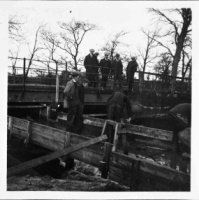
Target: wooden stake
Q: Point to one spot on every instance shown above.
(106, 159)
(26, 141)
(134, 184)
(10, 126)
(57, 88)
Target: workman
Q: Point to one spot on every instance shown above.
(180, 117)
(119, 110)
(91, 65)
(75, 112)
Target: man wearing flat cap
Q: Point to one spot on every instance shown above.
(130, 71)
(105, 67)
(91, 66)
(75, 112)
(117, 68)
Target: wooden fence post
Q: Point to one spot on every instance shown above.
(106, 159)
(66, 69)
(26, 141)
(10, 127)
(57, 89)
(24, 77)
(140, 81)
(135, 176)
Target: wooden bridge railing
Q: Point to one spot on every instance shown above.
(145, 80)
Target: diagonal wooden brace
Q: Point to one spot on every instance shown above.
(38, 161)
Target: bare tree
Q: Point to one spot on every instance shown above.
(49, 41)
(179, 30)
(15, 28)
(147, 54)
(113, 42)
(72, 37)
(34, 50)
(186, 65)
(14, 56)
(164, 66)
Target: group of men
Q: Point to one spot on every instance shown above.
(119, 106)
(108, 67)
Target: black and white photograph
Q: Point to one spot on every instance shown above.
(98, 99)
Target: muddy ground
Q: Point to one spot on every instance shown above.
(82, 178)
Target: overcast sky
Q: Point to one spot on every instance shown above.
(111, 17)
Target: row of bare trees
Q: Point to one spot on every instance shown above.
(171, 34)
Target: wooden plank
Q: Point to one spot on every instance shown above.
(134, 129)
(13, 162)
(23, 123)
(10, 127)
(47, 131)
(147, 132)
(121, 165)
(33, 163)
(54, 139)
(154, 143)
(18, 132)
(47, 143)
(91, 131)
(27, 140)
(93, 121)
(106, 159)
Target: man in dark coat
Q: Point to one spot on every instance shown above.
(119, 110)
(130, 71)
(91, 64)
(180, 117)
(105, 64)
(75, 111)
(119, 107)
(117, 69)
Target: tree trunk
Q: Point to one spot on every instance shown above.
(75, 67)
(179, 47)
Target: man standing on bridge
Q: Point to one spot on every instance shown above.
(130, 71)
(105, 64)
(117, 68)
(91, 65)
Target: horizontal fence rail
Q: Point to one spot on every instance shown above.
(47, 76)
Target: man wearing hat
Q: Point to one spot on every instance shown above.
(91, 66)
(105, 67)
(130, 71)
(75, 112)
(117, 68)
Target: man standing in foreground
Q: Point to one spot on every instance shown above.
(130, 71)
(91, 65)
(75, 112)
